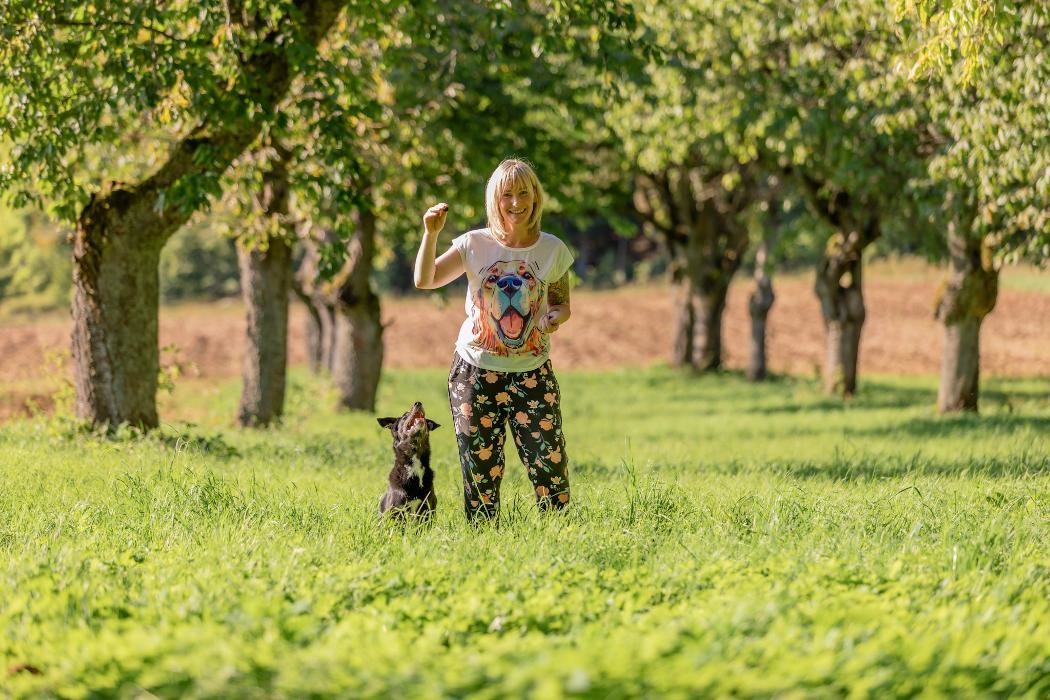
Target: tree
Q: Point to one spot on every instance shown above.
(690, 189)
(700, 221)
(759, 302)
(456, 88)
(774, 225)
(34, 267)
(813, 96)
(967, 296)
(804, 92)
(78, 78)
(992, 157)
(963, 34)
(265, 262)
(314, 174)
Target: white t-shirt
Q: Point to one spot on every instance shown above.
(506, 297)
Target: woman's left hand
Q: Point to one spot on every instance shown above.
(551, 321)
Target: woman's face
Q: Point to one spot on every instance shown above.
(515, 206)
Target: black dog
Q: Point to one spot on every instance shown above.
(411, 489)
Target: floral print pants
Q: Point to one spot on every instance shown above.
(483, 402)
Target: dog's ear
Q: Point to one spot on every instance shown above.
(431, 425)
(387, 422)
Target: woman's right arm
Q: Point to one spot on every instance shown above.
(430, 273)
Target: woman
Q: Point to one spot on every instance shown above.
(517, 295)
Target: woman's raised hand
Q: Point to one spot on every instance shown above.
(434, 218)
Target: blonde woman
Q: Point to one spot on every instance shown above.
(517, 296)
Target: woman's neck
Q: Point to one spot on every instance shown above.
(517, 238)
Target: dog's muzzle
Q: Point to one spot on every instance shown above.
(513, 313)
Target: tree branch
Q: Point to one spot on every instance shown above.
(62, 22)
(210, 148)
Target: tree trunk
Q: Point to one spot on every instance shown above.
(697, 218)
(327, 314)
(307, 286)
(838, 279)
(960, 367)
(115, 307)
(357, 350)
(356, 331)
(698, 338)
(121, 231)
(966, 298)
(265, 284)
(312, 327)
(839, 288)
(759, 304)
(683, 333)
(708, 259)
(266, 280)
(842, 305)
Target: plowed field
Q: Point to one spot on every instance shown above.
(609, 329)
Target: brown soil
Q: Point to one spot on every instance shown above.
(608, 329)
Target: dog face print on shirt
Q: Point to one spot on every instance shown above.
(508, 302)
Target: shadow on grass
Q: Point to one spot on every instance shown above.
(870, 396)
(871, 468)
(818, 406)
(951, 426)
(327, 449)
(1009, 395)
(846, 469)
(185, 437)
(880, 395)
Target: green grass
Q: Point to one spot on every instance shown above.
(1026, 278)
(723, 539)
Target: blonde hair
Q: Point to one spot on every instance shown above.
(515, 173)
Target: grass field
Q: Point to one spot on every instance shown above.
(724, 539)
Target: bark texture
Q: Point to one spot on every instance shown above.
(698, 219)
(115, 343)
(759, 303)
(266, 278)
(967, 297)
(316, 294)
(265, 284)
(347, 322)
(838, 286)
(838, 283)
(312, 323)
(357, 331)
(122, 229)
(698, 335)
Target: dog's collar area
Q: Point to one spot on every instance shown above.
(412, 440)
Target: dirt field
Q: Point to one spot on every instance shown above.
(608, 329)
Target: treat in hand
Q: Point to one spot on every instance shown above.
(434, 218)
(549, 321)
